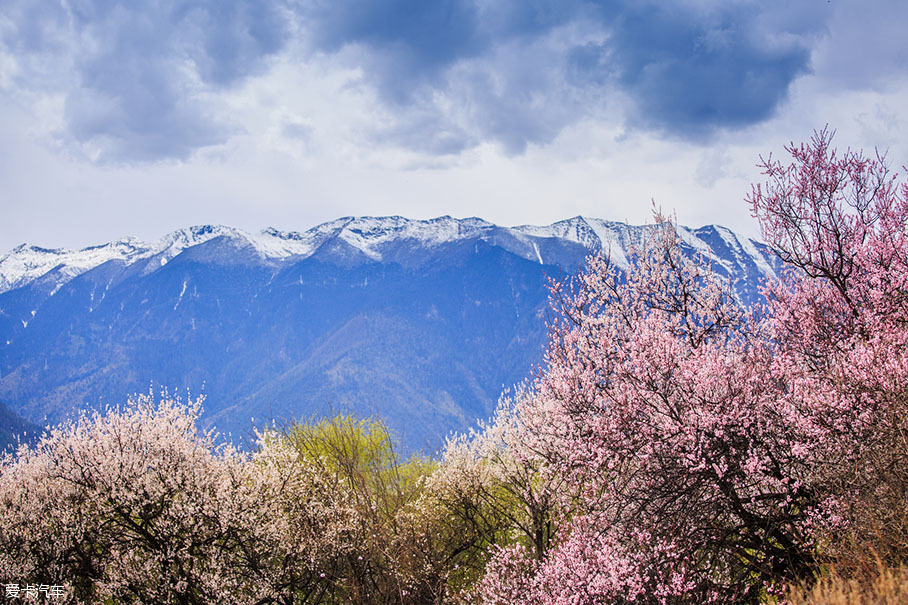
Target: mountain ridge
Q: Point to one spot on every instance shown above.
(28, 262)
(421, 322)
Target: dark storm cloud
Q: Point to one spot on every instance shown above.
(456, 72)
(688, 69)
(135, 73)
(417, 39)
(139, 77)
(692, 71)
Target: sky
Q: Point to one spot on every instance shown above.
(138, 118)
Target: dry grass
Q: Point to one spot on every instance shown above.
(885, 586)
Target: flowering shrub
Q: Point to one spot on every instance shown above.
(654, 403)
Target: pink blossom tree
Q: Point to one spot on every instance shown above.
(717, 450)
(653, 401)
(840, 325)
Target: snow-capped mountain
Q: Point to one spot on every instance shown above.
(27, 263)
(379, 240)
(420, 321)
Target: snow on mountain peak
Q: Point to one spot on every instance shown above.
(372, 236)
(28, 262)
(369, 233)
(275, 244)
(175, 242)
(609, 237)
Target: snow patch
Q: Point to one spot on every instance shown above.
(615, 239)
(538, 255)
(369, 234)
(728, 237)
(26, 263)
(180, 297)
(689, 237)
(749, 247)
(575, 230)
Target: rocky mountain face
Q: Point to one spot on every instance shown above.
(420, 322)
